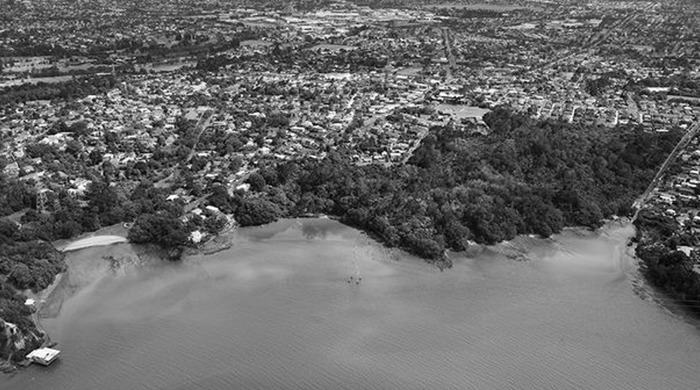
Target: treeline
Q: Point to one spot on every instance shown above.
(324, 61)
(72, 89)
(465, 13)
(215, 62)
(663, 264)
(679, 84)
(524, 177)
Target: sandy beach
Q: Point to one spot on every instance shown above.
(93, 241)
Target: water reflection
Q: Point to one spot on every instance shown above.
(312, 231)
(266, 232)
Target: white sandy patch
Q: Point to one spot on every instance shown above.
(93, 241)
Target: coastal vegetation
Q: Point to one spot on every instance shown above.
(458, 187)
(26, 261)
(524, 177)
(18, 334)
(24, 264)
(663, 263)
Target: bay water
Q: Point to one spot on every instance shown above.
(279, 311)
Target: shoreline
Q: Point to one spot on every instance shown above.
(152, 311)
(224, 240)
(47, 298)
(41, 298)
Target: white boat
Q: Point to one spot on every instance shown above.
(43, 356)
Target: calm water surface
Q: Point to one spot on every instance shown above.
(276, 311)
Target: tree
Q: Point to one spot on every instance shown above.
(8, 231)
(21, 276)
(79, 128)
(278, 120)
(58, 127)
(235, 164)
(255, 212)
(68, 229)
(220, 199)
(215, 223)
(95, 157)
(456, 234)
(256, 181)
(74, 147)
(166, 231)
(101, 197)
(35, 150)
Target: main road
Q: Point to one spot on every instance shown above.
(692, 132)
(202, 124)
(449, 54)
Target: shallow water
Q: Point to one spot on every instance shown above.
(276, 311)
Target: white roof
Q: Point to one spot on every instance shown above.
(43, 353)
